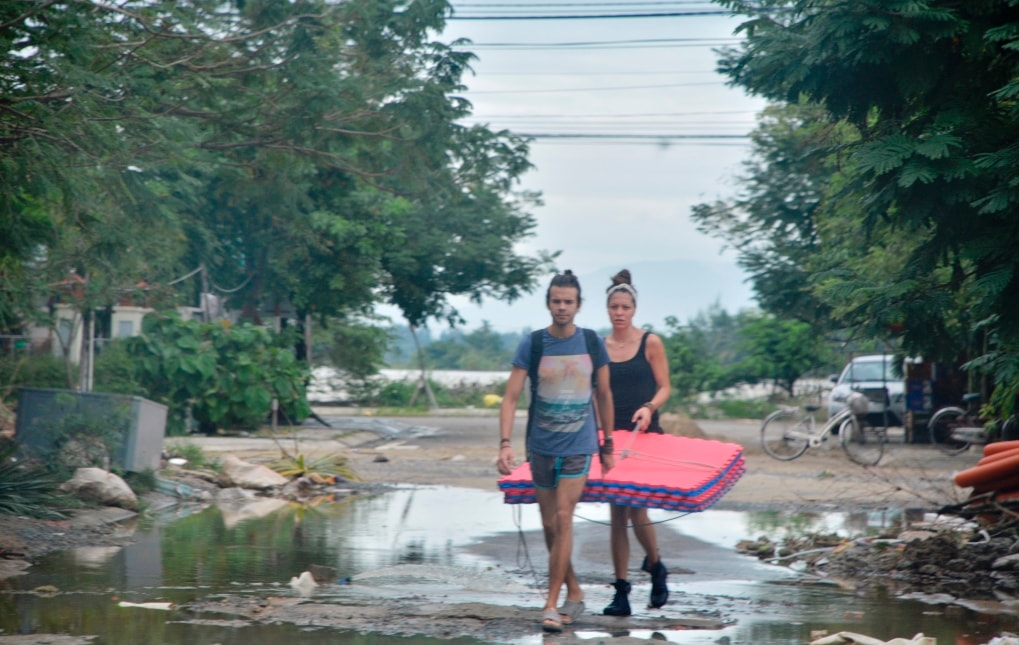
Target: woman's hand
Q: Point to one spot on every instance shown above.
(641, 419)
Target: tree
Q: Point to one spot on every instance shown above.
(773, 224)
(307, 155)
(702, 352)
(778, 350)
(354, 347)
(479, 349)
(930, 88)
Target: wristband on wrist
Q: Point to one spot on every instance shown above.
(649, 405)
(504, 442)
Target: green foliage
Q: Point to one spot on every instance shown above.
(731, 408)
(400, 394)
(916, 212)
(141, 482)
(306, 155)
(354, 348)
(702, 353)
(19, 370)
(395, 394)
(226, 374)
(778, 350)
(189, 451)
(480, 349)
(116, 370)
(318, 469)
(28, 490)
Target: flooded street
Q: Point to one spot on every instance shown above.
(436, 560)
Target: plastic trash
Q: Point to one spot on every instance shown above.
(304, 583)
(164, 606)
(843, 638)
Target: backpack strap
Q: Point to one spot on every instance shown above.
(592, 349)
(537, 349)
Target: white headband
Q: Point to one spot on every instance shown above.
(622, 286)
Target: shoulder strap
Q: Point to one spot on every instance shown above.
(537, 349)
(592, 348)
(643, 343)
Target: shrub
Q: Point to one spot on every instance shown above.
(27, 490)
(40, 370)
(228, 375)
(116, 371)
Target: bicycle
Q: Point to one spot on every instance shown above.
(953, 429)
(787, 433)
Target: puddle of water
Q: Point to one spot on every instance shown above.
(457, 545)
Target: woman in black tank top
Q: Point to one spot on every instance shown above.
(639, 377)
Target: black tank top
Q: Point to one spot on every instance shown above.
(633, 384)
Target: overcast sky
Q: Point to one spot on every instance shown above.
(609, 201)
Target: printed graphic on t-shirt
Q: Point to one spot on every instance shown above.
(564, 392)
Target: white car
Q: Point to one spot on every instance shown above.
(873, 375)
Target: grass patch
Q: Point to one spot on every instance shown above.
(27, 490)
(190, 452)
(731, 409)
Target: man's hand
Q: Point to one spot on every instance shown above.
(505, 461)
(608, 461)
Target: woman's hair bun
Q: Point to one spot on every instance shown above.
(623, 277)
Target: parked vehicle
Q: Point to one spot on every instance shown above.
(874, 376)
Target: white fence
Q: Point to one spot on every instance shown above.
(327, 386)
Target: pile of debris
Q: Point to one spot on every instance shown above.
(972, 553)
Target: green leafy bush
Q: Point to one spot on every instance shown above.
(116, 370)
(228, 375)
(41, 370)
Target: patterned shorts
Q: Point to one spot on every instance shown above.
(546, 471)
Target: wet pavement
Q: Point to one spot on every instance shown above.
(420, 563)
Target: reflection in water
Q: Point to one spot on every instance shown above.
(420, 541)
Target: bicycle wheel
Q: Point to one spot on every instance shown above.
(941, 426)
(863, 443)
(784, 434)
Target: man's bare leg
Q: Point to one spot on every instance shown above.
(557, 506)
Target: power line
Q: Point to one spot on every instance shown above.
(635, 43)
(597, 89)
(628, 115)
(530, 5)
(651, 142)
(603, 16)
(607, 73)
(653, 137)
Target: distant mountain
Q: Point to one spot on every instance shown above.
(680, 288)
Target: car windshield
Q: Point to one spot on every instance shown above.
(861, 371)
